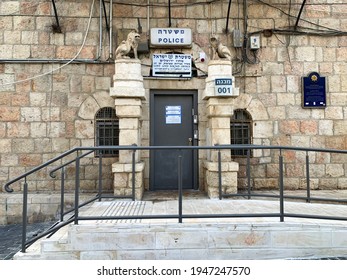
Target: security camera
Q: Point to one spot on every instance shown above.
(202, 56)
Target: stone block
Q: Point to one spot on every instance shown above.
(98, 255)
(9, 114)
(238, 239)
(301, 239)
(181, 239)
(128, 111)
(17, 130)
(228, 180)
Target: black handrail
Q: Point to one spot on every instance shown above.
(51, 173)
(180, 215)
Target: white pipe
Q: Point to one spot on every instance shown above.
(111, 30)
(148, 19)
(100, 32)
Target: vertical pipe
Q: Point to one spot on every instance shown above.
(77, 188)
(111, 30)
(220, 175)
(100, 176)
(148, 28)
(169, 13)
(58, 28)
(228, 14)
(180, 192)
(308, 199)
(100, 31)
(25, 213)
(281, 187)
(299, 15)
(62, 191)
(249, 173)
(133, 175)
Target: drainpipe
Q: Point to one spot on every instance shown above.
(227, 23)
(148, 29)
(111, 30)
(56, 27)
(100, 32)
(299, 15)
(169, 13)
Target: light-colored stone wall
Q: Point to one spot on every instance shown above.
(54, 111)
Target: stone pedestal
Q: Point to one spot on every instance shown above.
(128, 91)
(219, 111)
(123, 179)
(229, 178)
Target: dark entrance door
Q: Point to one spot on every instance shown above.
(172, 124)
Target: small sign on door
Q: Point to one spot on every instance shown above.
(173, 114)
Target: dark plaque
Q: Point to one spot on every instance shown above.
(314, 89)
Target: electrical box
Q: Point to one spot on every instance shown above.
(254, 42)
(237, 38)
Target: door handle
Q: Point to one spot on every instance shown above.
(190, 141)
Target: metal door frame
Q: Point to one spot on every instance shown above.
(169, 92)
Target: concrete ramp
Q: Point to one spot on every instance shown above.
(227, 238)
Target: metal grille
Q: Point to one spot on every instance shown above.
(240, 131)
(106, 131)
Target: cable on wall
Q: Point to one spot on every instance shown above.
(60, 67)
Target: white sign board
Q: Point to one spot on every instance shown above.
(172, 65)
(173, 114)
(223, 87)
(168, 37)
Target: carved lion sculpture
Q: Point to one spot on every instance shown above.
(131, 43)
(219, 50)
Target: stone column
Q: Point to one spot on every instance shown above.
(219, 111)
(128, 92)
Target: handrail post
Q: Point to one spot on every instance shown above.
(25, 213)
(77, 188)
(62, 192)
(220, 175)
(308, 199)
(180, 192)
(248, 170)
(100, 176)
(133, 173)
(281, 187)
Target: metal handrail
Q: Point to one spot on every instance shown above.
(180, 215)
(51, 173)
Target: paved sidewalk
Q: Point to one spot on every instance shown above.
(11, 237)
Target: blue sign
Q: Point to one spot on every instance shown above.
(314, 91)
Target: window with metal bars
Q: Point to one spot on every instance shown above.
(106, 131)
(240, 131)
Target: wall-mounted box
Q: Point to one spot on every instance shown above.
(254, 42)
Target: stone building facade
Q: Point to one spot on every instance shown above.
(57, 73)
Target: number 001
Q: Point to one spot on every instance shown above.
(224, 90)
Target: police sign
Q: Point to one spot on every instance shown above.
(223, 87)
(168, 37)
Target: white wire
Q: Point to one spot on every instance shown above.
(67, 63)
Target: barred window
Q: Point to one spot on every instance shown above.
(240, 131)
(106, 131)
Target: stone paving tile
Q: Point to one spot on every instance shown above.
(11, 237)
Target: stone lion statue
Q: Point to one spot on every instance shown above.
(219, 50)
(131, 43)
